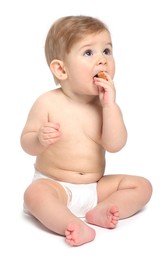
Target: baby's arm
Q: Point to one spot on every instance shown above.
(38, 132)
(114, 134)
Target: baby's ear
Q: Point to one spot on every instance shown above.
(58, 69)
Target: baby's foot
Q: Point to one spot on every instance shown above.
(78, 234)
(106, 217)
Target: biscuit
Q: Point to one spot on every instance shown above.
(102, 75)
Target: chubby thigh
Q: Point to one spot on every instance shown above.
(109, 184)
(43, 192)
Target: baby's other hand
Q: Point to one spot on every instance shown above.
(106, 90)
(49, 134)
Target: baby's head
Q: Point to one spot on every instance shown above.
(67, 31)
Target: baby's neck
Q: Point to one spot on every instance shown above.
(82, 99)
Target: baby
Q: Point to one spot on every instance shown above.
(70, 128)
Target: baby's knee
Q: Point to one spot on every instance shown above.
(32, 195)
(146, 188)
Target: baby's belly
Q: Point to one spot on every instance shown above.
(72, 166)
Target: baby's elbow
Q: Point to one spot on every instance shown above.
(114, 147)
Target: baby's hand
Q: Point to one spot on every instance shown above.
(106, 90)
(49, 134)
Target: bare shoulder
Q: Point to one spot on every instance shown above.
(42, 106)
(49, 95)
(47, 99)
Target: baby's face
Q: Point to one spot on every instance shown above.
(87, 57)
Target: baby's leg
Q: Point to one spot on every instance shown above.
(46, 200)
(127, 193)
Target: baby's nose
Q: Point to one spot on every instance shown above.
(101, 60)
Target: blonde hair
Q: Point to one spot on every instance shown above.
(68, 30)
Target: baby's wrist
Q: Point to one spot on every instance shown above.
(109, 105)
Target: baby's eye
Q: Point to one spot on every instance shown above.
(88, 53)
(107, 51)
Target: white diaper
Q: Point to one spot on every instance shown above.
(81, 197)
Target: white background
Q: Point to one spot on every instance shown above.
(139, 33)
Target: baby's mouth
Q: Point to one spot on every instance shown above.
(101, 75)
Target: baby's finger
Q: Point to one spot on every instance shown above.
(57, 126)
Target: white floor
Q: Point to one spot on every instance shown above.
(138, 29)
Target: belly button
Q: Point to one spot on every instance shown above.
(81, 173)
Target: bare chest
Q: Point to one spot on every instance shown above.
(78, 122)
